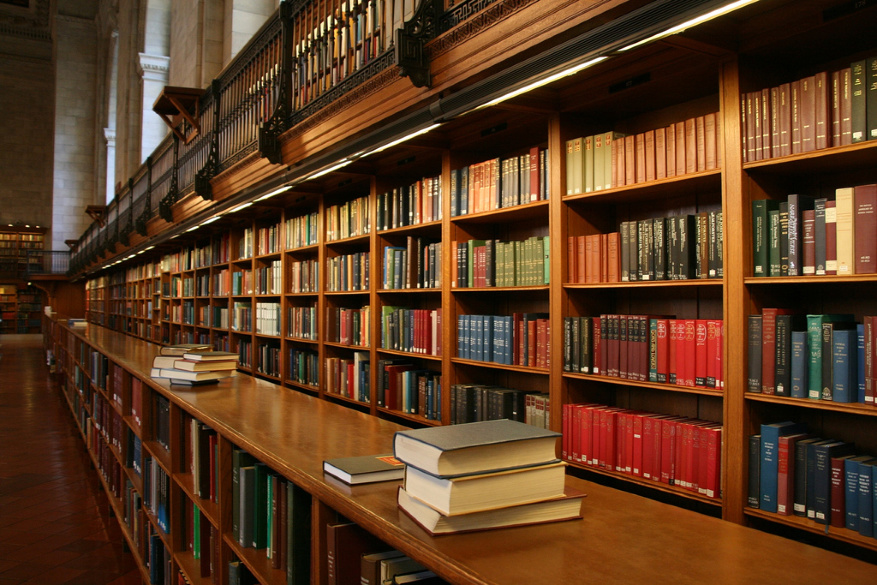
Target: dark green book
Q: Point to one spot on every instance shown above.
(260, 505)
(365, 468)
(858, 101)
(761, 235)
(239, 459)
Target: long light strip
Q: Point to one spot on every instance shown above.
(690, 23)
(545, 81)
(401, 140)
(273, 193)
(340, 164)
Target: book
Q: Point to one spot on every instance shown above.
(208, 366)
(210, 356)
(176, 374)
(846, 231)
(474, 447)
(865, 232)
(477, 492)
(346, 543)
(754, 354)
(183, 348)
(370, 566)
(761, 209)
(567, 507)
(365, 469)
(770, 434)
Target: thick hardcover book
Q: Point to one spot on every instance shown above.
(783, 238)
(822, 477)
(851, 490)
(795, 96)
(831, 237)
(837, 492)
(370, 566)
(808, 113)
(829, 370)
(846, 230)
(786, 472)
(797, 204)
(866, 497)
(814, 350)
(770, 434)
(553, 510)
(845, 365)
(365, 469)
(799, 506)
(822, 105)
(785, 323)
(754, 354)
(768, 350)
(799, 365)
(808, 243)
(476, 447)
(784, 119)
(858, 101)
(754, 491)
(345, 545)
(478, 492)
(819, 235)
(761, 235)
(865, 229)
(835, 92)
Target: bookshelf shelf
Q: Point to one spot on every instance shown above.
(652, 385)
(496, 366)
(691, 282)
(516, 213)
(502, 289)
(812, 280)
(842, 534)
(650, 484)
(833, 159)
(704, 181)
(857, 409)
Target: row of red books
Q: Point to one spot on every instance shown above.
(674, 450)
(646, 348)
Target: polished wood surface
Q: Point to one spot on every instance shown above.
(622, 538)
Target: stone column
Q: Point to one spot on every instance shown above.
(153, 70)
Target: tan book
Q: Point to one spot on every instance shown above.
(670, 162)
(593, 163)
(629, 160)
(846, 231)
(651, 173)
(640, 150)
(700, 140)
(680, 148)
(690, 146)
(710, 144)
(661, 153)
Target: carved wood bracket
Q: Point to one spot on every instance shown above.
(411, 40)
(178, 104)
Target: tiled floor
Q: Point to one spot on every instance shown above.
(55, 527)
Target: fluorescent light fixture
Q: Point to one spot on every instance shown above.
(148, 249)
(211, 220)
(401, 140)
(544, 81)
(690, 23)
(273, 193)
(193, 228)
(340, 164)
(239, 207)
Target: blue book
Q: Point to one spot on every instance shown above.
(799, 364)
(860, 362)
(462, 342)
(770, 434)
(487, 341)
(822, 477)
(851, 490)
(845, 371)
(810, 476)
(754, 495)
(866, 497)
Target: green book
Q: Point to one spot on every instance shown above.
(761, 235)
(239, 459)
(814, 347)
(773, 253)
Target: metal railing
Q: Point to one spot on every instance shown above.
(46, 262)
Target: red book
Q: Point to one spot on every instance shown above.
(637, 421)
(668, 449)
(541, 343)
(609, 441)
(786, 472)
(686, 359)
(617, 162)
(822, 110)
(590, 436)
(837, 492)
(672, 346)
(701, 334)
(648, 445)
(597, 346)
(765, 123)
(535, 184)
(768, 348)
(613, 257)
(754, 120)
(571, 259)
(720, 354)
(581, 255)
(531, 343)
(713, 327)
(713, 461)
(865, 204)
(808, 248)
(774, 122)
(663, 350)
(710, 145)
(604, 258)
(566, 431)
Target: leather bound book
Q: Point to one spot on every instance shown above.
(846, 129)
(691, 146)
(795, 93)
(784, 119)
(660, 153)
(834, 108)
(822, 117)
(650, 151)
(700, 141)
(774, 122)
(680, 148)
(710, 145)
(865, 245)
(858, 102)
(630, 169)
(765, 124)
(640, 150)
(871, 98)
(807, 114)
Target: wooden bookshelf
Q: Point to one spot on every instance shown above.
(701, 73)
(103, 375)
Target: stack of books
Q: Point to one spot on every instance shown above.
(482, 475)
(193, 366)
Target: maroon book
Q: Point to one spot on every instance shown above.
(765, 124)
(808, 249)
(795, 95)
(670, 138)
(834, 114)
(663, 350)
(640, 153)
(774, 122)
(650, 147)
(768, 348)
(865, 201)
(630, 160)
(837, 492)
(672, 347)
(821, 109)
(687, 364)
(755, 126)
(784, 119)
(345, 545)
(786, 472)
(710, 145)
(661, 153)
(846, 123)
(807, 114)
